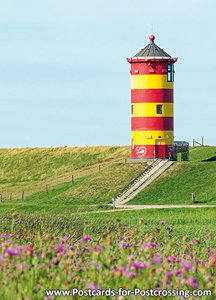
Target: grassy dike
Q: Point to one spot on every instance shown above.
(99, 174)
(176, 185)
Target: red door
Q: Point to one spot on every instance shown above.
(159, 149)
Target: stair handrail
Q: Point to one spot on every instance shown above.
(147, 179)
(130, 184)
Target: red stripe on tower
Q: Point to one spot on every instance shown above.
(151, 151)
(151, 123)
(152, 95)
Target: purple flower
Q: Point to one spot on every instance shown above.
(124, 244)
(60, 247)
(127, 238)
(157, 258)
(86, 238)
(64, 240)
(93, 286)
(148, 246)
(11, 252)
(169, 274)
(192, 282)
(199, 261)
(179, 272)
(186, 265)
(139, 265)
(21, 248)
(207, 236)
(128, 273)
(162, 222)
(98, 249)
(98, 266)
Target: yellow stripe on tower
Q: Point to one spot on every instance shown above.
(150, 82)
(150, 110)
(149, 137)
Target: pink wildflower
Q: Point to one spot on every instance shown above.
(93, 286)
(11, 252)
(86, 238)
(193, 282)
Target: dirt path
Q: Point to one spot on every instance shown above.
(120, 208)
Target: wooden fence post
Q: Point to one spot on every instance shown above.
(0, 197)
(47, 188)
(193, 197)
(72, 179)
(99, 168)
(22, 195)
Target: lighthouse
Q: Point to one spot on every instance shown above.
(152, 82)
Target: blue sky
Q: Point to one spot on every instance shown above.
(64, 78)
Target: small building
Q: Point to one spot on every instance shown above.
(181, 147)
(152, 80)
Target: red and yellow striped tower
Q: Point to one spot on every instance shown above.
(152, 76)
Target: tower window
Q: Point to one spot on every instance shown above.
(132, 109)
(170, 73)
(132, 144)
(159, 109)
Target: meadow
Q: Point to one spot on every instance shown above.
(63, 238)
(153, 249)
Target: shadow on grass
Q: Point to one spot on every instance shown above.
(213, 158)
(204, 201)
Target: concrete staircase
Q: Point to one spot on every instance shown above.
(155, 170)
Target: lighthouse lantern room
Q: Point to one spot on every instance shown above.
(152, 77)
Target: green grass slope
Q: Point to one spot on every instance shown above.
(176, 185)
(99, 174)
(30, 169)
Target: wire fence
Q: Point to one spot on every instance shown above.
(25, 190)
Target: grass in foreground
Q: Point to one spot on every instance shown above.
(161, 249)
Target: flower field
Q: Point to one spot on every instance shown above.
(31, 264)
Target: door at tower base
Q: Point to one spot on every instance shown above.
(152, 151)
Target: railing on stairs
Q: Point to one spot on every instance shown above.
(148, 179)
(134, 181)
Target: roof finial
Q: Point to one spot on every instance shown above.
(152, 38)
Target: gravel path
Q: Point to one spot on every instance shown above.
(136, 207)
